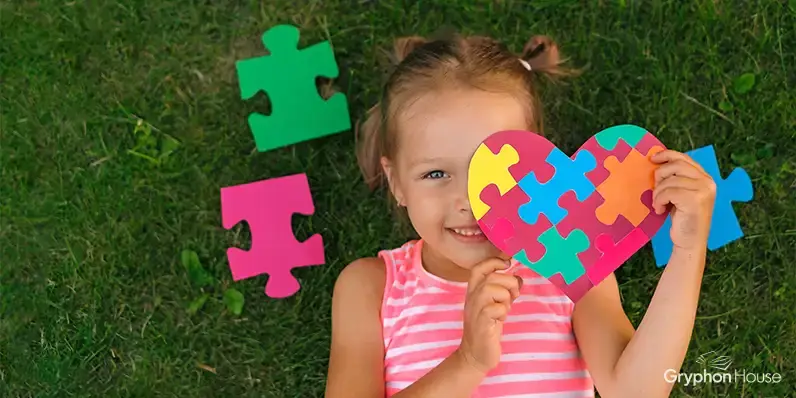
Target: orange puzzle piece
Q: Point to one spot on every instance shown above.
(623, 188)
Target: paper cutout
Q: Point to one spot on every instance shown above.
(724, 225)
(560, 196)
(288, 76)
(268, 207)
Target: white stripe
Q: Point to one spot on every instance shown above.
(538, 356)
(398, 301)
(398, 384)
(415, 366)
(536, 336)
(538, 317)
(404, 286)
(534, 377)
(568, 394)
(421, 309)
(420, 347)
(535, 281)
(429, 326)
(529, 298)
(457, 325)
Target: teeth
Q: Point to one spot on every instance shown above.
(468, 232)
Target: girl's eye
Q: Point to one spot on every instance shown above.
(435, 174)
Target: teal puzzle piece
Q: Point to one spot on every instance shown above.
(561, 255)
(288, 76)
(628, 133)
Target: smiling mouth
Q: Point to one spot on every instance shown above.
(471, 231)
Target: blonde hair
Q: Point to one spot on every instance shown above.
(421, 65)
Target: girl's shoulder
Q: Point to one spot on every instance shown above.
(367, 275)
(372, 275)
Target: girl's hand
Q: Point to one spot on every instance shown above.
(685, 184)
(489, 298)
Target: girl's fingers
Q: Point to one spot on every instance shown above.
(508, 282)
(493, 293)
(678, 167)
(484, 269)
(676, 182)
(669, 195)
(669, 155)
(496, 311)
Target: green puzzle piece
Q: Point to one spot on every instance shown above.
(608, 138)
(287, 75)
(561, 255)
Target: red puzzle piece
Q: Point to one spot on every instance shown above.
(527, 147)
(581, 215)
(576, 290)
(524, 235)
(648, 142)
(614, 255)
(652, 224)
(268, 207)
(600, 173)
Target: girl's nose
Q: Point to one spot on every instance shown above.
(463, 203)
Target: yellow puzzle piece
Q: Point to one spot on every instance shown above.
(488, 168)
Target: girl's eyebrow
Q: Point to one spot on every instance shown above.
(424, 160)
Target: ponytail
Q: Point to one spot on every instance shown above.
(370, 145)
(543, 56)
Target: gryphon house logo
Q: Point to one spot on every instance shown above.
(715, 361)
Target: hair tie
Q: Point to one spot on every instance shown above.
(526, 64)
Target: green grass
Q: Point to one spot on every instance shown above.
(93, 294)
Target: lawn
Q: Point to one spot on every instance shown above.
(95, 299)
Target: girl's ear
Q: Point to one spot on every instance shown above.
(389, 172)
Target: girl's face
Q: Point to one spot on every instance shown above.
(437, 136)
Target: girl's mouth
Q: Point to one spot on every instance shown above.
(468, 234)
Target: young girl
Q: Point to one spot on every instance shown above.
(448, 315)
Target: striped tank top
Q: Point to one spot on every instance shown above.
(422, 314)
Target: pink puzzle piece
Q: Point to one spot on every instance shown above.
(614, 255)
(268, 207)
(527, 147)
(499, 231)
(523, 235)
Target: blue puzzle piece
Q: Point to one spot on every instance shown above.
(569, 175)
(724, 226)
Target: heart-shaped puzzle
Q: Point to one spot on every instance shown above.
(573, 220)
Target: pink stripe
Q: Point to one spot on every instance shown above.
(408, 353)
(536, 387)
(423, 298)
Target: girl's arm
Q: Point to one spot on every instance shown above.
(628, 363)
(356, 358)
